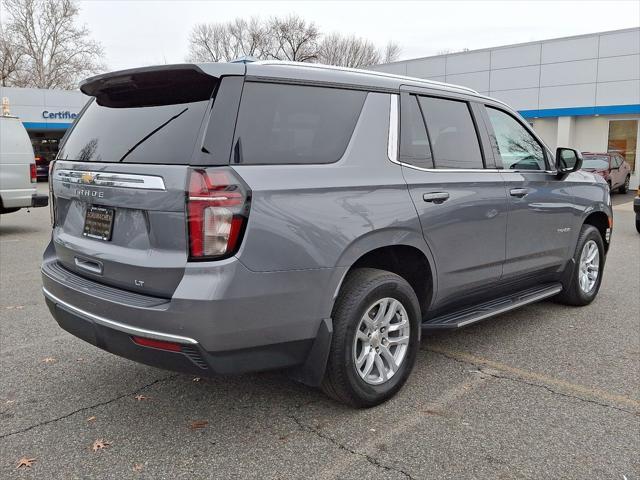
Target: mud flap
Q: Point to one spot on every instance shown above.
(311, 372)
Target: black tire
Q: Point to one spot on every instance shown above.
(624, 188)
(572, 294)
(362, 288)
(638, 224)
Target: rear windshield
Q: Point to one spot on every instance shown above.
(295, 124)
(595, 161)
(149, 117)
(105, 134)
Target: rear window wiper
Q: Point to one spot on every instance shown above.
(152, 132)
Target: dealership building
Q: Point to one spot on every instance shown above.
(581, 92)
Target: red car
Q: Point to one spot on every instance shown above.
(612, 166)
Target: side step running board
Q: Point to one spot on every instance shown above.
(494, 307)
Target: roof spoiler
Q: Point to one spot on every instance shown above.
(158, 85)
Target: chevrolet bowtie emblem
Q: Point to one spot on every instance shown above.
(88, 177)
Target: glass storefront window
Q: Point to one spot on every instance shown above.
(623, 138)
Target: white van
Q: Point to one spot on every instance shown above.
(17, 168)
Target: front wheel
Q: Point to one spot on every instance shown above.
(584, 280)
(376, 335)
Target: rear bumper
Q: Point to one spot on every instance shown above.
(117, 338)
(260, 321)
(39, 200)
(18, 198)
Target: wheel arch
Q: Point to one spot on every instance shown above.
(600, 220)
(404, 259)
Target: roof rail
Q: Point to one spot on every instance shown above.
(365, 72)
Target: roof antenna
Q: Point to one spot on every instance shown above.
(244, 59)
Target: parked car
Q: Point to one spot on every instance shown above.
(17, 168)
(226, 218)
(611, 166)
(636, 208)
(42, 167)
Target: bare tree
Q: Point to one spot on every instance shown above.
(354, 52)
(207, 43)
(290, 38)
(12, 58)
(221, 42)
(56, 51)
(391, 52)
(347, 51)
(294, 39)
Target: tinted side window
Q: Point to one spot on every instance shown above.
(294, 124)
(414, 142)
(518, 149)
(452, 133)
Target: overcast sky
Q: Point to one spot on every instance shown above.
(144, 32)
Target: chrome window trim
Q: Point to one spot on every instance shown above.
(393, 145)
(108, 179)
(120, 326)
(392, 142)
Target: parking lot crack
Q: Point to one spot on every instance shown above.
(90, 407)
(372, 460)
(492, 369)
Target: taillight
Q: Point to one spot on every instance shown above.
(32, 172)
(217, 211)
(52, 208)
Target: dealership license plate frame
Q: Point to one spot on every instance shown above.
(98, 222)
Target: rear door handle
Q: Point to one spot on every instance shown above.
(518, 192)
(435, 197)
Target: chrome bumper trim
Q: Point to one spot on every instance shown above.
(120, 326)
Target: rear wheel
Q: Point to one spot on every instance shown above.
(586, 276)
(624, 188)
(638, 224)
(376, 333)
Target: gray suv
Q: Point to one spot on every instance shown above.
(227, 218)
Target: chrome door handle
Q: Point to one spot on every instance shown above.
(435, 197)
(518, 192)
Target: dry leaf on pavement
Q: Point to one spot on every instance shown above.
(25, 462)
(196, 424)
(141, 397)
(48, 360)
(196, 379)
(91, 418)
(137, 467)
(99, 444)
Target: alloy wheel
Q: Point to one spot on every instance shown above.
(589, 266)
(381, 341)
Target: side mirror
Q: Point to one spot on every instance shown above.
(567, 160)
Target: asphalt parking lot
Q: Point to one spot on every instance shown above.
(547, 391)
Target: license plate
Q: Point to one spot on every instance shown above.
(98, 223)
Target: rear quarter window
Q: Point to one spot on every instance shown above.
(294, 124)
